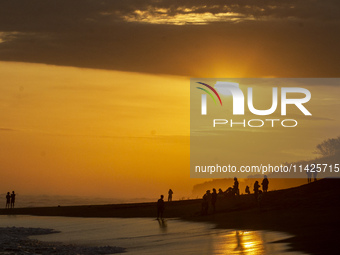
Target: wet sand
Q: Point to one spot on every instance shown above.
(15, 241)
(309, 212)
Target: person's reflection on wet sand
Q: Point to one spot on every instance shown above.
(163, 225)
(239, 246)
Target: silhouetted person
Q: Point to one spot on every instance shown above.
(170, 192)
(265, 183)
(205, 203)
(259, 198)
(247, 190)
(256, 189)
(209, 196)
(8, 200)
(315, 173)
(220, 191)
(160, 207)
(236, 189)
(229, 191)
(213, 200)
(12, 199)
(309, 174)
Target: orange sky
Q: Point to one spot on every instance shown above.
(94, 97)
(68, 130)
(90, 132)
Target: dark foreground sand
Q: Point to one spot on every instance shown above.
(15, 241)
(310, 212)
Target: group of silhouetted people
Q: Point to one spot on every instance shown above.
(311, 171)
(161, 204)
(257, 187)
(10, 200)
(231, 191)
(211, 198)
(235, 191)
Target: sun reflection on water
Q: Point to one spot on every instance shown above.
(241, 242)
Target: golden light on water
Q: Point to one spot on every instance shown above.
(252, 242)
(242, 242)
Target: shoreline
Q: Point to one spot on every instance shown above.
(309, 212)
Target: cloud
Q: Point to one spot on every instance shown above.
(191, 38)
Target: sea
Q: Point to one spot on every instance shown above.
(150, 236)
(55, 200)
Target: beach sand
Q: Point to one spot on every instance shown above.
(15, 241)
(309, 212)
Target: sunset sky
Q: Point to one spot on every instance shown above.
(95, 97)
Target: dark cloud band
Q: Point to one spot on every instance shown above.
(193, 38)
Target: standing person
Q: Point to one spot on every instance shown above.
(160, 207)
(209, 196)
(309, 173)
(247, 190)
(315, 173)
(205, 203)
(265, 183)
(170, 192)
(259, 199)
(256, 189)
(12, 199)
(213, 199)
(8, 200)
(236, 189)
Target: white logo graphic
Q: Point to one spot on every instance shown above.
(232, 89)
